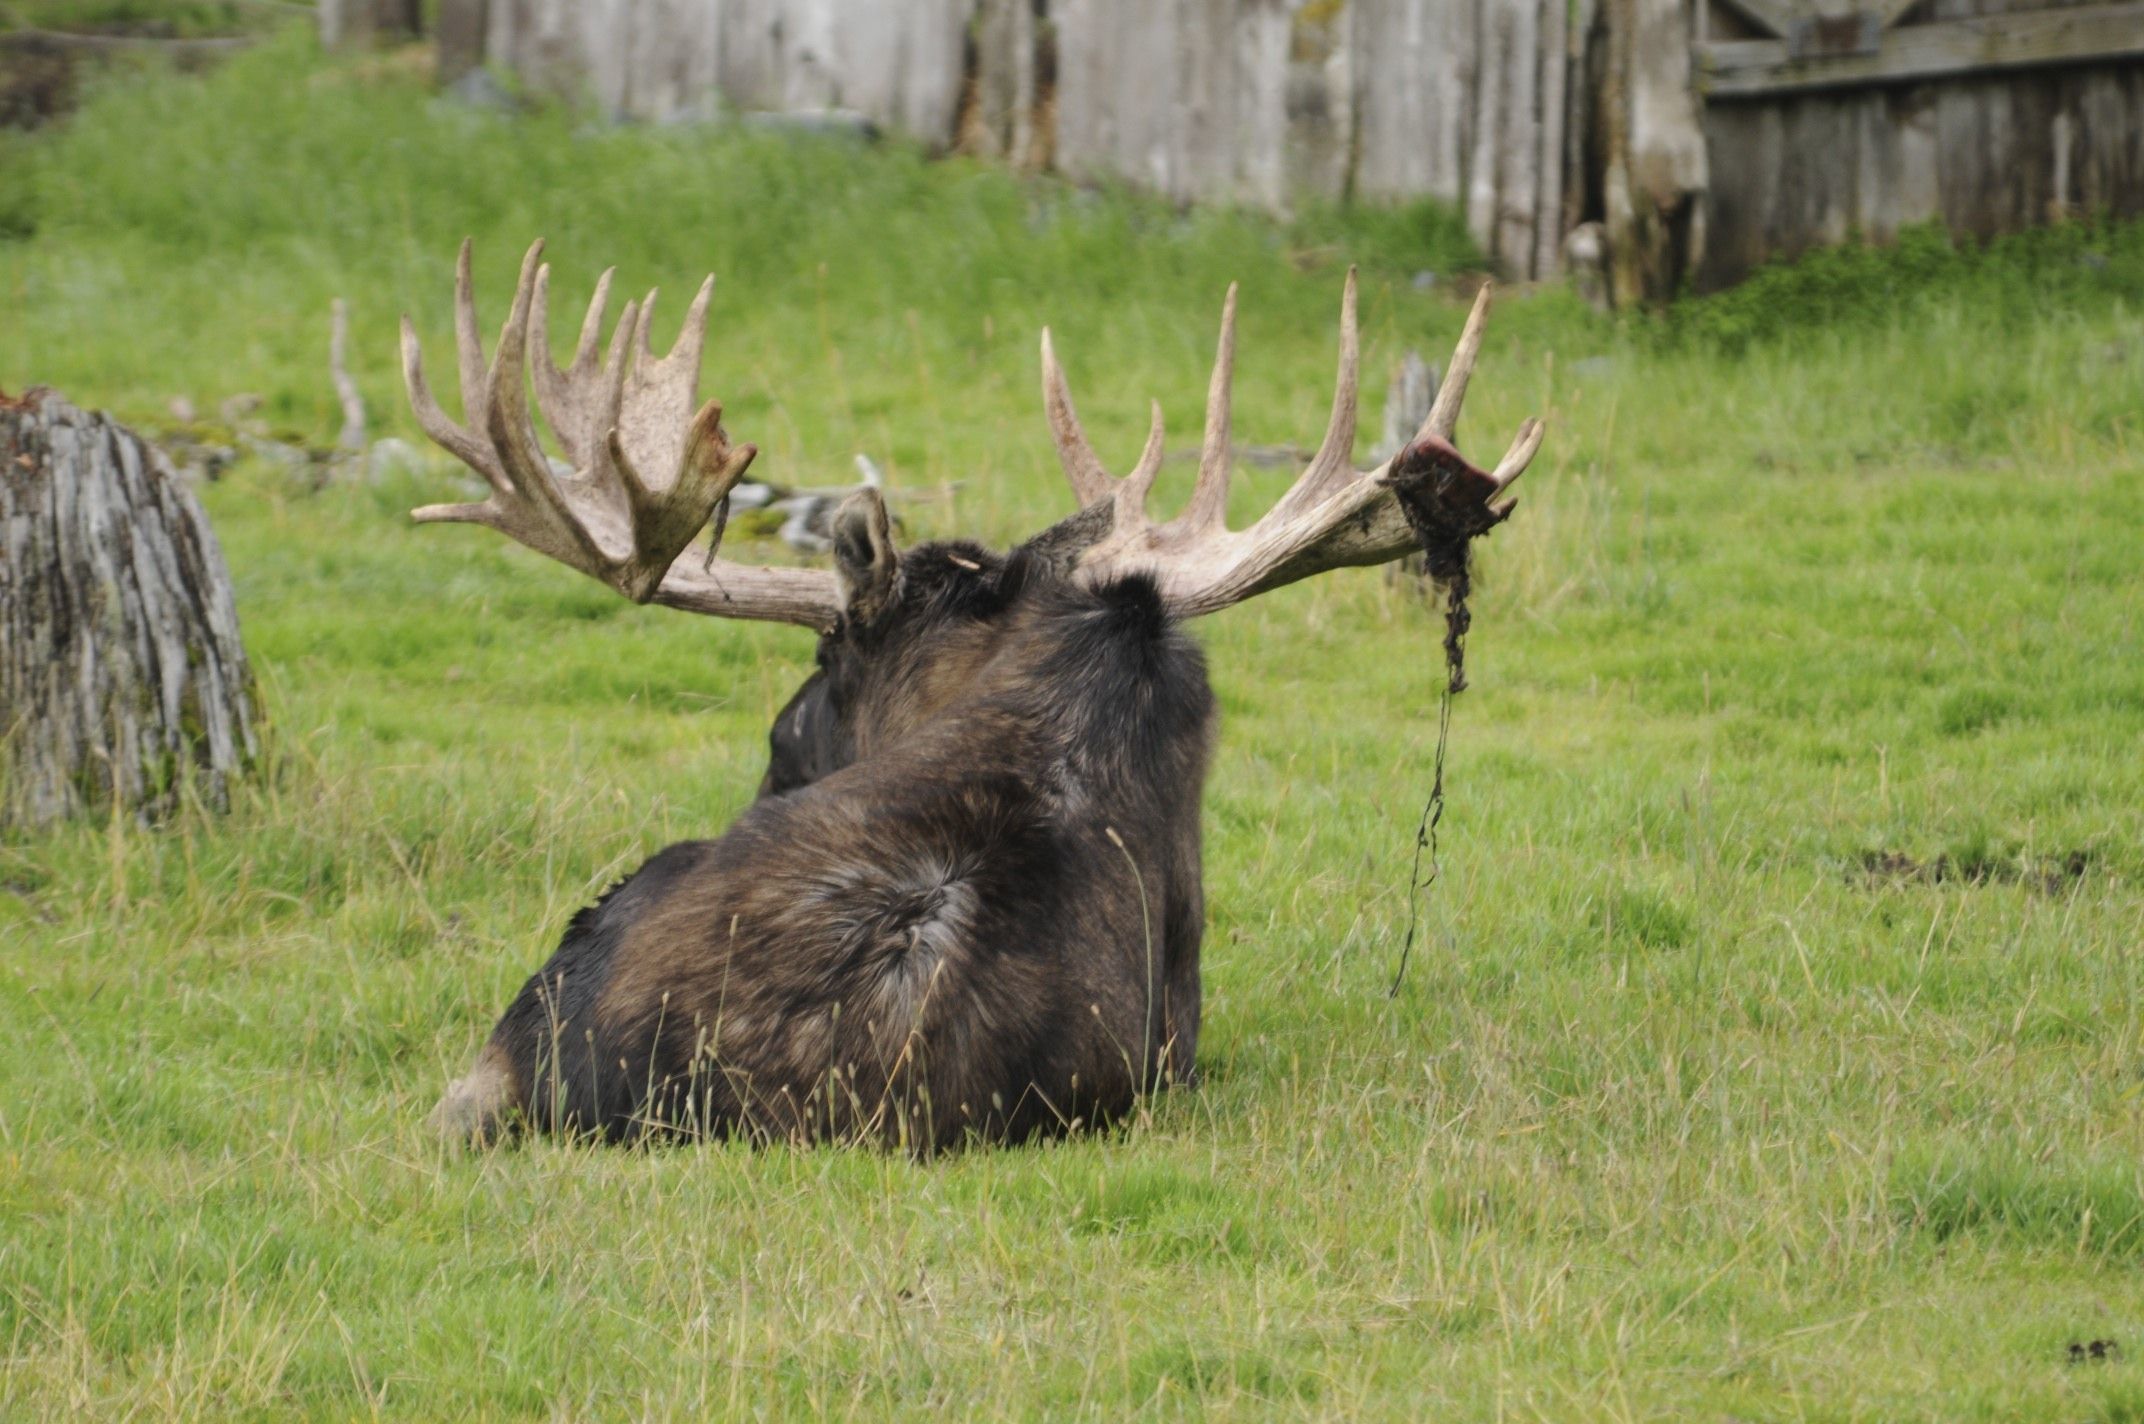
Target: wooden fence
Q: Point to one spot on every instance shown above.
(1991, 115)
(1700, 135)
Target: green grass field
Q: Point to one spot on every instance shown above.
(1774, 1052)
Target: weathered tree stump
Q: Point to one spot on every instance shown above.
(121, 671)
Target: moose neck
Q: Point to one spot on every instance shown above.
(1097, 691)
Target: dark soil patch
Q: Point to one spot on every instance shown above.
(2094, 1351)
(2048, 875)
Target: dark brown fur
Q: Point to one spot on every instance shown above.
(966, 904)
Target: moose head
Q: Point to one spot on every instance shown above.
(967, 903)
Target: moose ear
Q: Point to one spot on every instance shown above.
(864, 556)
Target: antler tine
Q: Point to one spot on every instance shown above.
(647, 328)
(1336, 451)
(1131, 497)
(1334, 463)
(617, 364)
(1209, 497)
(1084, 471)
(505, 388)
(513, 432)
(692, 336)
(469, 343)
(540, 320)
(559, 394)
(438, 425)
(592, 323)
(1443, 420)
(1521, 454)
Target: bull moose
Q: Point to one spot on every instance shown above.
(966, 904)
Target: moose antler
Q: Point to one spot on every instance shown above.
(1332, 517)
(648, 474)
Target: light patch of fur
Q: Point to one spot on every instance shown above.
(475, 1108)
(947, 929)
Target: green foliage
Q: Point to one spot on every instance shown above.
(171, 18)
(2012, 279)
(1644, 919)
(1707, 1095)
(2093, 1207)
(18, 203)
(1404, 239)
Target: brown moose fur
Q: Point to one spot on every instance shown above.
(967, 904)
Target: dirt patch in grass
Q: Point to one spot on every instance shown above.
(2048, 875)
(2096, 1351)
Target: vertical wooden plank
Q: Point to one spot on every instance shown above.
(1374, 40)
(1259, 103)
(1144, 98)
(2062, 162)
(1198, 134)
(1117, 76)
(1518, 152)
(1915, 193)
(1079, 42)
(1027, 87)
(668, 74)
(1866, 116)
(1452, 31)
(1582, 100)
(1548, 155)
(1319, 102)
(1657, 173)
(900, 65)
(461, 38)
(1488, 108)
(1003, 79)
(1412, 65)
(2108, 169)
(604, 43)
(1834, 221)
(1958, 161)
(807, 75)
(498, 30)
(2033, 119)
(749, 57)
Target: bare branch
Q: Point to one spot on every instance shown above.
(352, 438)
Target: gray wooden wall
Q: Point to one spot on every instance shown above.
(1697, 132)
(1986, 153)
(900, 63)
(1263, 102)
